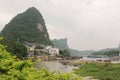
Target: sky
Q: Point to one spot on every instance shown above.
(88, 24)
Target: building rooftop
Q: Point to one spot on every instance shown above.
(97, 56)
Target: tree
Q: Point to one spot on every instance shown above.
(39, 47)
(12, 68)
(65, 53)
(20, 50)
(15, 48)
(108, 53)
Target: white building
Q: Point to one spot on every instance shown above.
(46, 49)
(53, 51)
(30, 47)
(97, 58)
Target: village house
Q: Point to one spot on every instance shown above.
(30, 47)
(47, 53)
(96, 58)
(40, 52)
(32, 50)
(52, 50)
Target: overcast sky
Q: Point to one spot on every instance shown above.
(88, 24)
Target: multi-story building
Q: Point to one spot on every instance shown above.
(53, 51)
(31, 47)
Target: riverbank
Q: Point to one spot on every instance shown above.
(100, 71)
(55, 66)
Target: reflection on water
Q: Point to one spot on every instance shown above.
(55, 66)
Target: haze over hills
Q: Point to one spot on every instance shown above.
(62, 44)
(110, 49)
(28, 26)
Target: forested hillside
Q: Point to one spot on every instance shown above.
(28, 26)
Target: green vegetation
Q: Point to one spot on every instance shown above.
(65, 53)
(20, 50)
(39, 47)
(61, 43)
(15, 48)
(108, 53)
(11, 68)
(24, 27)
(100, 71)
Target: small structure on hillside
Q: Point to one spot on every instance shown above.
(96, 58)
(30, 47)
(53, 51)
(39, 49)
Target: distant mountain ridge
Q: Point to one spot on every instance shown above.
(109, 49)
(28, 26)
(62, 44)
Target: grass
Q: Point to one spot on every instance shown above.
(100, 71)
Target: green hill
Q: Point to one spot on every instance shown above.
(60, 43)
(28, 26)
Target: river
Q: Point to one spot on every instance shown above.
(55, 66)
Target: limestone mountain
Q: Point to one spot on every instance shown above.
(62, 44)
(28, 26)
